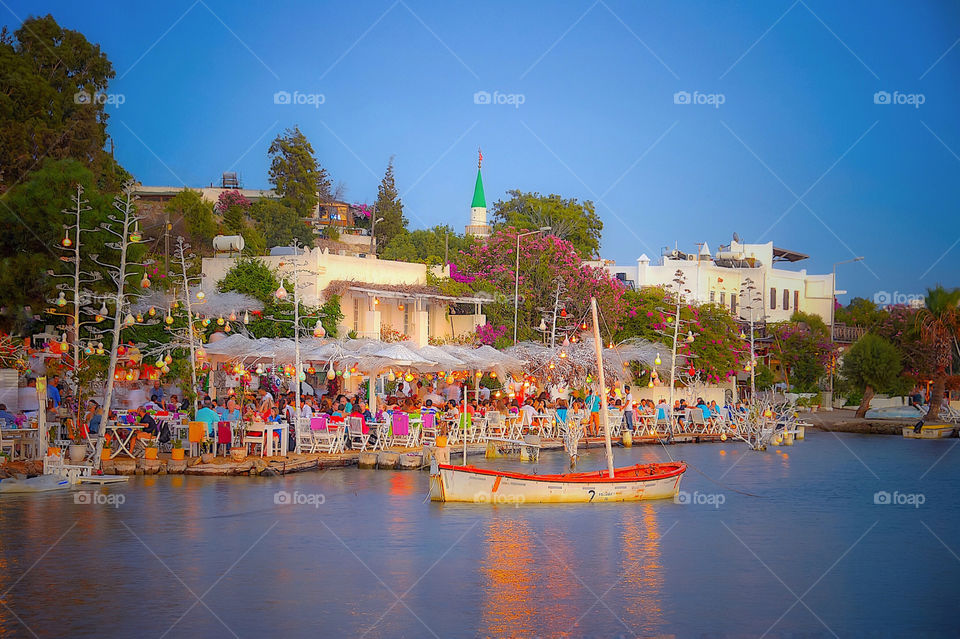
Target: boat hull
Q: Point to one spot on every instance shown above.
(941, 431)
(634, 483)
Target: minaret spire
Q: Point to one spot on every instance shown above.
(478, 207)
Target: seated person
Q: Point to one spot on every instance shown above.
(6, 417)
(210, 416)
(149, 423)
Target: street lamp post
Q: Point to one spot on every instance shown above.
(516, 280)
(373, 231)
(833, 304)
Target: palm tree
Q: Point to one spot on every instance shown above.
(939, 323)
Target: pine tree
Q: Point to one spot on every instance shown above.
(389, 207)
(295, 173)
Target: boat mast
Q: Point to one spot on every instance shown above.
(598, 345)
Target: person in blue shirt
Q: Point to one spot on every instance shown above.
(210, 416)
(5, 416)
(592, 404)
(53, 393)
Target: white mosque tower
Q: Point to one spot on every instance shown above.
(478, 208)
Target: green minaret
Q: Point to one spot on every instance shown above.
(478, 208)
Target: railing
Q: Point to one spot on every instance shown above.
(847, 334)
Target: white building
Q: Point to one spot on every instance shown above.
(374, 294)
(719, 278)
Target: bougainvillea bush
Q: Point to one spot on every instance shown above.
(490, 267)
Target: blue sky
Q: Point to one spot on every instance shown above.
(798, 152)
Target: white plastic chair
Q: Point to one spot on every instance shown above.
(356, 434)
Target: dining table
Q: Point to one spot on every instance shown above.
(122, 442)
(28, 436)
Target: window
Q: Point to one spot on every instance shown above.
(786, 300)
(796, 300)
(406, 319)
(713, 295)
(426, 307)
(733, 304)
(773, 298)
(723, 298)
(356, 314)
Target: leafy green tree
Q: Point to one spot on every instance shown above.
(197, 216)
(804, 350)
(389, 207)
(427, 246)
(53, 86)
(860, 312)
(568, 219)
(939, 323)
(296, 175)
(31, 214)
(280, 224)
(872, 364)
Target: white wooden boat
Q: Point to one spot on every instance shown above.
(929, 431)
(481, 485)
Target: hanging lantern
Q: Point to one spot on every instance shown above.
(346, 374)
(200, 353)
(493, 374)
(543, 325)
(246, 317)
(747, 367)
(201, 295)
(61, 300)
(64, 346)
(566, 341)
(206, 321)
(650, 384)
(167, 359)
(692, 371)
(259, 369)
(563, 312)
(139, 318)
(232, 317)
(742, 335)
(330, 373)
(98, 318)
(152, 311)
(408, 377)
(552, 365)
(302, 376)
(479, 374)
(99, 348)
(583, 326)
(563, 355)
(376, 301)
(88, 350)
(129, 376)
(690, 337)
(227, 329)
(165, 369)
(657, 361)
(220, 321)
(160, 363)
(400, 306)
(130, 319)
(311, 370)
(145, 282)
(318, 331)
(66, 242)
(135, 234)
(391, 377)
(281, 293)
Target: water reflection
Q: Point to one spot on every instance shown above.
(642, 570)
(509, 574)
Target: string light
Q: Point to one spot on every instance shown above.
(201, 295)
(281, 293)
(61, 300)
(246, 317)
(232, 317)
(66, 242)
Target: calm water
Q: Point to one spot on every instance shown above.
(191, 556)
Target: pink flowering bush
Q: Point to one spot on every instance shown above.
(230, 198)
